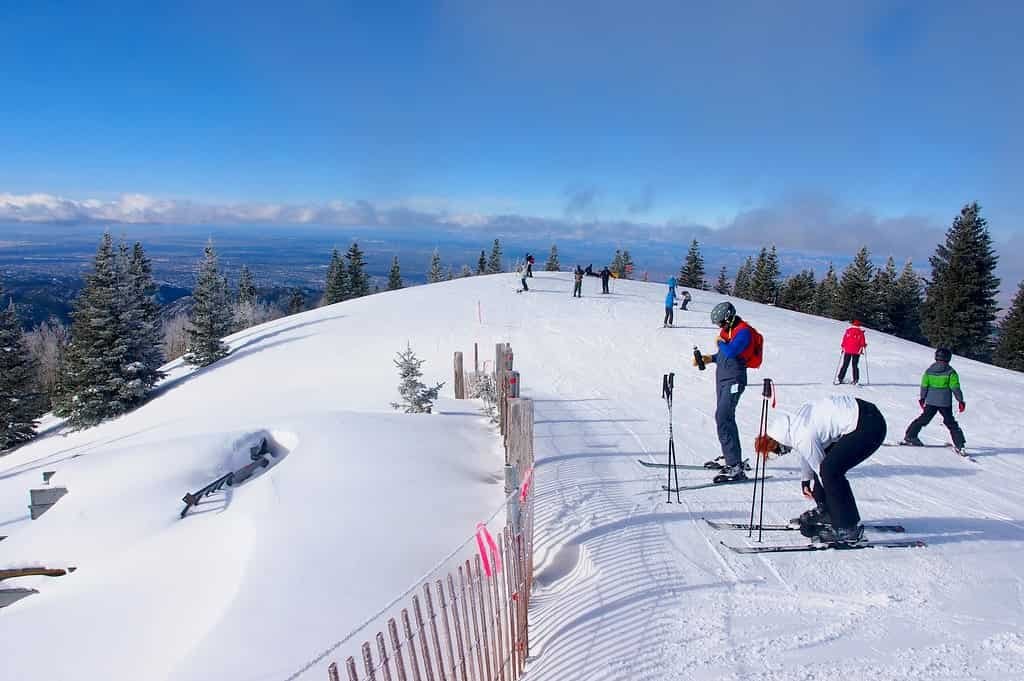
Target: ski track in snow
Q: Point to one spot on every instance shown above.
(627, 585)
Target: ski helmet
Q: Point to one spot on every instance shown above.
(723, 312)
(943, 355)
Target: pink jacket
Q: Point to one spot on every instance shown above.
(853, 341)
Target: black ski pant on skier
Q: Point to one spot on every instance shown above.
(523, 279)
(847, 358)
(604, 284)
(577, 290)
(725, 418)
(930, 410)
(669, 316)
(831, 488)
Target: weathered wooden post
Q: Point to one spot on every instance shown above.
(476, 360)
(460, 378)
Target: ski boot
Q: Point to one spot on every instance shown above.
(730, 474)
(841, 537)
(810, 522)
(912, 442)
(716, 464)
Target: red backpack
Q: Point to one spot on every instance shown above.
(754, 353)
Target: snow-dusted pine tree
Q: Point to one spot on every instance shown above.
(466, 272)
(142, 327)
(494, 262)
(417, 398)
(691, 272)
(395, 276)
(744, 275)
(20, 400)
(358, 281)
(211, 315)
(246, 287)
(436, 271)
(552, 264)
(297, 302)
(481, 264)
(722, 285)
(92, 384)
(336, 283)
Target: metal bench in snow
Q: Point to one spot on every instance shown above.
(258, 454)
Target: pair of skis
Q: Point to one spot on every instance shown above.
(793, 548)
(962, 453)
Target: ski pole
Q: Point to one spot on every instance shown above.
(835, 374)
(766, 392)
(867, 373)
(758, 468)
(667, 386)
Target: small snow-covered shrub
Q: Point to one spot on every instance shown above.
(482, 387)
(417, 398)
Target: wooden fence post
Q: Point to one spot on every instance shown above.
(460, 378)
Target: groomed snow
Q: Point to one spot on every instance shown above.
(628, 587)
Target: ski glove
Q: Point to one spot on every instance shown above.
(805, 487)
(963, 405)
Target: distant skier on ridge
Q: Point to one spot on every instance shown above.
(939, 385)
(606, 274)
(831, 435)
(740, 347)
(577, 287)
(853, 345)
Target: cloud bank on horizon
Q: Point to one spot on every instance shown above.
(806, 223)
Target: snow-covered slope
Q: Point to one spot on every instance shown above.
(627, 586)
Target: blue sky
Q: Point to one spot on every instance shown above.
(651, 113)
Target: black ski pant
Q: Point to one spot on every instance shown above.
(577, 290)
(683, 305)
(831, 488)
(529, 270)
(847, 357)
(525, 287)
(930, 410)
(725, 419)
(604, 285)
(669, 315)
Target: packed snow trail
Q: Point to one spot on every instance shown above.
(631, 587)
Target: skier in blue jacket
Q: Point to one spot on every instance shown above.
(670, 305)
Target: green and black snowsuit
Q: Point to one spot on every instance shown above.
(939, 385)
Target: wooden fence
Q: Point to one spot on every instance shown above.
(471, 624)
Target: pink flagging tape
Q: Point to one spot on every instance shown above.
(525, 488)
(483, 536)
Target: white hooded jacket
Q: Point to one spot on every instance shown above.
(814, 428)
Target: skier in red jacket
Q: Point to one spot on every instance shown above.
(853, 347)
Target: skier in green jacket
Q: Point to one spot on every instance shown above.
(939, 385)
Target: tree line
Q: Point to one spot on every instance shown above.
(955, 308)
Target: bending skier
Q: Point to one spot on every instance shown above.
(853, 345)
(685, 297)
(939, 385)
(831, 435)
(739, 347)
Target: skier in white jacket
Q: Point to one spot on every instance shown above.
(831, 435)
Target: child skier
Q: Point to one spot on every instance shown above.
(853, 345)
(939, 385)
(685, 297)
(577, 287)
(831, 435)
(670, 305)
(739, 347)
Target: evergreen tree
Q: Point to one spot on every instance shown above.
(744, 276)
(552, 264)
(246, 287)
(691, 273)
(395, 276)
(436, 271)
(826, 298)
(466, 272)
(297, 302)
(211, 316)
(886, 297)
(856, 300)
(617, 264)
(627, 265)
(451, 274)
(481, 264)
(764, 282)
(960, 300)
(336, 283)
(798, 292)
(722, 285)
(1009, 352)
(356, 277)
(20, 400)
(417, 398)
(494, 262)
(141, 324)
(905, 312)
(92, 385)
